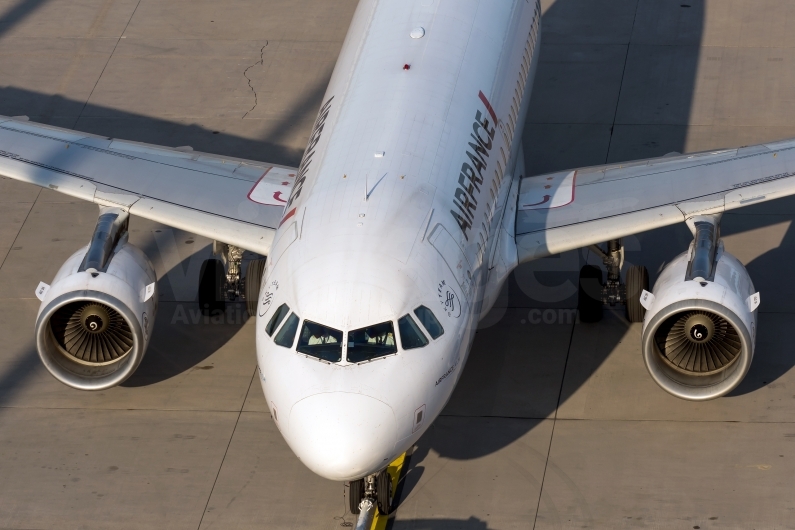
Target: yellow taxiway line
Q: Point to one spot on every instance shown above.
(394, 469)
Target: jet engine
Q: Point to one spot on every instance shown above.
(700, 324)
(96, 318)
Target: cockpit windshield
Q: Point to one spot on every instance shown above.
(371, 342)
(286, 335)
(320, 341)
(427, 318)
(410, 335)
(276, 319)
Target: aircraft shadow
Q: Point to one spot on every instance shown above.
(17, 13)
(771, 273)
(17, 374)
(54, 109)
(473, 523)
(183, 337)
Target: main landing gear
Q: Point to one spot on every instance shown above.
(221, 279)
(594, 293)
(373, 490)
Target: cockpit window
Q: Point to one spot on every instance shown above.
(410, 335)
(320, 341)
(427, 319)
(286, 335)
(371, 342)
(276, 319)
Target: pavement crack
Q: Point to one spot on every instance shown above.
(245, 74)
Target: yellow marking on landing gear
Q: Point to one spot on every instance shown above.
(394, 469)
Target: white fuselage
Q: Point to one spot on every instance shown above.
(398, 203)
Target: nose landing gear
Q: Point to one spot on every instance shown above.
(373, 490)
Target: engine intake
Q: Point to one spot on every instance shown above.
(698, 342)
(700, 325)
(91, 333)
(93, 326)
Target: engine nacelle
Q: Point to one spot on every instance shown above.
(96, 318)
(700, 325)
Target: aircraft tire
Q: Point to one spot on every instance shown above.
(637, 281)
(212, 278)
(384, 492)
(355, 494)
(253, 281)
(589, 296)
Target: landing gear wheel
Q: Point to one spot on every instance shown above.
(589, 299)
(355, 495)
(212, 297)
(384, 492)
(637, 281)
(253, 281)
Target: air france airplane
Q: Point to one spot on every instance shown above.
(393, 237)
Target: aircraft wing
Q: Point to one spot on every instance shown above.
(235, 201)
(573, 209)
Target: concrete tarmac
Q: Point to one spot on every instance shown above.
(555, 423)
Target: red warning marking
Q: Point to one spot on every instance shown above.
(271, 187)
(545, 200)
(562, 195)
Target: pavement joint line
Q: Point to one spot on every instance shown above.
(203, 39)
(628, 420)
(661, 124)
(102, 409)
(229, 444)
(555, 417)
(21, 226)
(118, 40)
(661, 45)
(265, 413)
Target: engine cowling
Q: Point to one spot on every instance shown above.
(699, 331)
(96, 318)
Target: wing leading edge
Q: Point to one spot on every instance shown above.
(567, 210)
(236, 201)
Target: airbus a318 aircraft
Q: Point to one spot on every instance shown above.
(392, 238)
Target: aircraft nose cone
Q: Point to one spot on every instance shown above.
(342, 436)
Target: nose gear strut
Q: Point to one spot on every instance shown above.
(365, 494)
